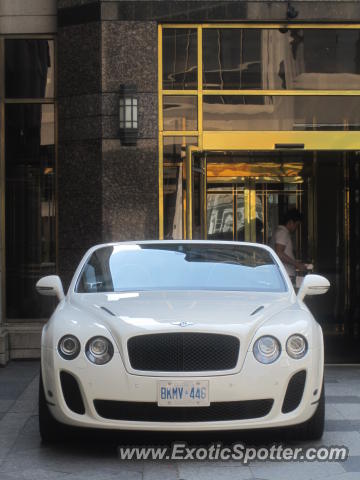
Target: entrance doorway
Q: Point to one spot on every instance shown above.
(244, 195)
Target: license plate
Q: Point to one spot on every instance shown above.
(184, 394)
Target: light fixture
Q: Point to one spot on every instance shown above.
(128, 115)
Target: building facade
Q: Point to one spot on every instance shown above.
(241, 111)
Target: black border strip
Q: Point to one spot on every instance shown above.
(79, 15)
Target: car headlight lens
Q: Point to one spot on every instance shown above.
(296, 346)
(99, 350)
(267, 349)
(69, 347)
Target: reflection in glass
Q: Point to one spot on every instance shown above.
(179, 59)
(253, 112)
(271, 59)
(231, 58)
(174, 185)
(175, 148)
(30, 206)
(220, 221)
(180, 112)
(29, 68)
(173, 202)
(181, 267)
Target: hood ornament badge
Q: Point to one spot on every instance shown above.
(182, 324)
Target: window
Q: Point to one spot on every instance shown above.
(30, 204)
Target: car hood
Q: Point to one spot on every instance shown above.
(128, 314)
(160, 310)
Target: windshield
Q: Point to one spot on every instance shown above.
(180, 266)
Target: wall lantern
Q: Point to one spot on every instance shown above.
(128, 115)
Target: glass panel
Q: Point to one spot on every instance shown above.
(29, 68)
(253, 112)
(315, 59)
(122, 114)
(354, 234)
(329, 309)
(173, 202)
(30, 207)
(220, 216)
(175, 148)
(128, 113)
(179, 59)
(180, 112)
(231, 58)
(174, 185)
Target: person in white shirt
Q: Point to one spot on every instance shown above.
(283, 245)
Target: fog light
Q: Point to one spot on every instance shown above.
(267, 349)
(99, 350)
(69, 347)
(296, 346)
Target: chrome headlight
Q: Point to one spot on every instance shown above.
(267, 349)
(296, 346)
(99, 350)
(69, 347)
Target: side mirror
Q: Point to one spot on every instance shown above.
(313, 285)
(50, 286)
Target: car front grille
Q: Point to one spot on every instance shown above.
(294, 392)
(151, 412)
(183, 352)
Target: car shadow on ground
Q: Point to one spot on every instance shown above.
(107, 441)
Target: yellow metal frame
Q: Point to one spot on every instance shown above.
(244, 140)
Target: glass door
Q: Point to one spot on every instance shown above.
(246, 201)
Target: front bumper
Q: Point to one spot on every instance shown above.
(112, 382)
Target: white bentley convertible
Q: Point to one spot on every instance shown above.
(182, 335)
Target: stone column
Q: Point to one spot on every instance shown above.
(80, 133)
(106, 191)
(130, 174)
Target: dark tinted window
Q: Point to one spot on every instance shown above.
(29, 68)
(30, 206)
(179, 59)
(276, 59)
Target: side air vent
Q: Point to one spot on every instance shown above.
(71, 392)
(294, 392)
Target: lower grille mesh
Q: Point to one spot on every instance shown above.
(151, 412)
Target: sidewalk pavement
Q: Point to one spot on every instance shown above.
(23, 457)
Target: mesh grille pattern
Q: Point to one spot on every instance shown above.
(183, 352)
(294, 392)
(151, 412)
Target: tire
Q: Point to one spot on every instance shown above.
(51, 431)
(313, 428)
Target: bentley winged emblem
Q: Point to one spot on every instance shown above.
(182, 324)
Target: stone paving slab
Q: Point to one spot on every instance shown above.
(23, 457)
